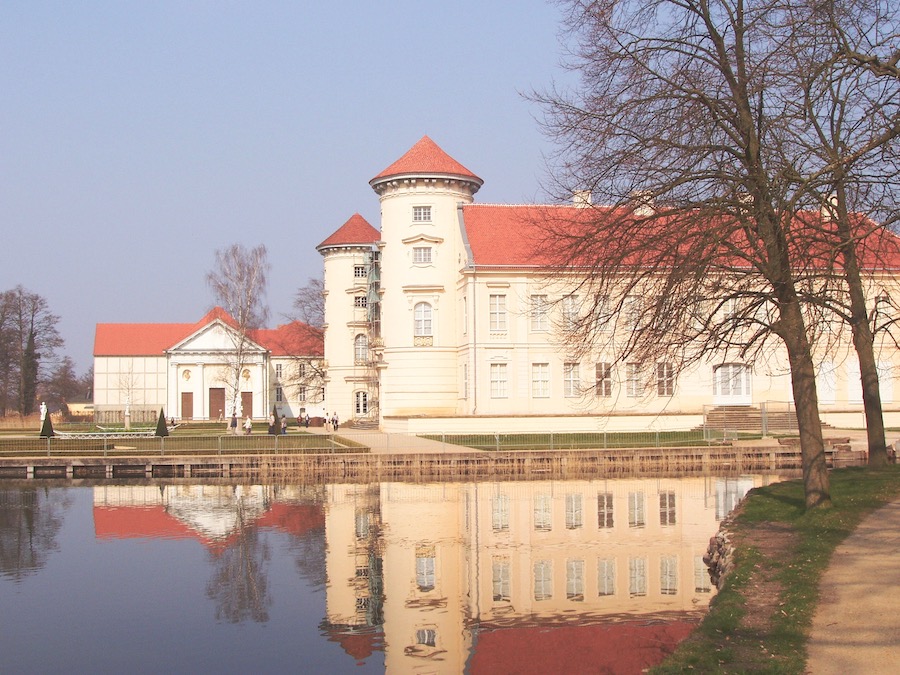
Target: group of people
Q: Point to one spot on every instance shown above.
(331, 423)
(275, 427)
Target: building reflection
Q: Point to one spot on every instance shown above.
(466, 576)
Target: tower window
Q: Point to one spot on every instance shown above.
(422, 255)
(421, 214)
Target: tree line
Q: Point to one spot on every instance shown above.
(30, 365)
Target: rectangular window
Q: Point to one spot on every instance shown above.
(665, 379)
(637, 577)
(631, 312)
(702, 583)
(279, 394)
(634, 385)
(422, 255)
(571, 380)
(666, 508)
(636, 509)
(425, 568)
(500, 513)
(498, 312)
(570, 312)
(421, 214)
(603, 387)
(668, 575)
(539, 322)
(427, 637)
(542, 515)
(606, 576)
(540, 380)
(499, 387)
(574, 511)
(605, 510)
(301, 393)
(500, 576)
(360, 301)
(359, 272)
(543, 579)
(277, 371)
(575, 580)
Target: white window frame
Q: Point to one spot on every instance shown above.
(359, 272)
(575, 580)
(571, 379)
(540, 380)
(668, 575)
(543, 579)
(603, 380)
(361, 348)
(422, 255)
(497, 307)
(574, 511)
(636, 509)
(361, 402)
(667, 508)
(421, 214)
(665, 379)
(605, 510)
(606, 576)
(539, 314)
(634, 383)
(637, 577)
(423, 320)
(501, 579)
(543, 513)
(499, 381)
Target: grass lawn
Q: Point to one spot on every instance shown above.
(759, 620)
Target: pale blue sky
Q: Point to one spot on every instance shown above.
(138, 137)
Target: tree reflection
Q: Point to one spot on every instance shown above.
(30, 519)
(239, 585)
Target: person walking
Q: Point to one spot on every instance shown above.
(283, 425)
(233, 424)
(248, 425)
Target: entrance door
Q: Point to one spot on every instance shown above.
(187, 405)
(731, 385)
(217, 403)
(247, 403)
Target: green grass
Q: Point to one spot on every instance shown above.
(576, 440)
(722, 644)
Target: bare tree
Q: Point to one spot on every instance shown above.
(238, 282)
(681, 122)
(306, 336)
(843, 151)
(28, 339)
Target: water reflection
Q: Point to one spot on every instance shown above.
(29, 522)
(534, 576)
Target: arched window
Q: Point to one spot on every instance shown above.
(361, 348)
(361, 404)
(422, 319)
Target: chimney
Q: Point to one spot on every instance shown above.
(582, 199)
(643, 202)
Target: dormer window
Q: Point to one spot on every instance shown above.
(421, 214)
(422, 255)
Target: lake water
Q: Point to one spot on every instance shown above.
(487, 577)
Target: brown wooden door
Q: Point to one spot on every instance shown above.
(217, 403)
(187, 405)
(247, 403)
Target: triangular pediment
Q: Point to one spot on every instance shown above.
(216, 337)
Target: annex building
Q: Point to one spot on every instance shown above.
(193, 371)
(444, 319)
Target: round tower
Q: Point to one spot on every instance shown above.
(350, 377)
(422, 251)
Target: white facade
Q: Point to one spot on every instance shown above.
(192, 371)
(467, 337)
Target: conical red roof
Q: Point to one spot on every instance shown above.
(357, 230)
(425, 157)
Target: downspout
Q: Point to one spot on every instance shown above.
(470, 263)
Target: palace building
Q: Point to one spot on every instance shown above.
(444, 320)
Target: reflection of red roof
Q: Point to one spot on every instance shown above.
(139, 521)
(358, 644)
(425, 158)
(295, 519)
(154, 522)
(620, 648)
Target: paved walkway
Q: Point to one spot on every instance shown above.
(856, 628)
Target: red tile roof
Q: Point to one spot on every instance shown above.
(425, 157)
(517, 236)
(153, 339)
(356, 230)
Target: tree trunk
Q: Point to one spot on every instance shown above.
(803, 380)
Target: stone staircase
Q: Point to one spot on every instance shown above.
(749, 418)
